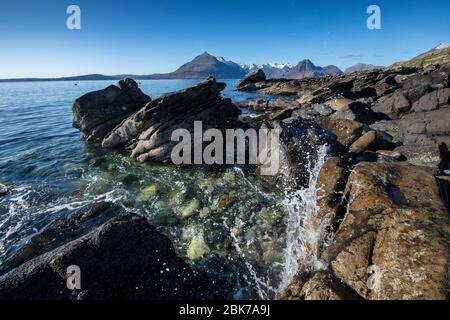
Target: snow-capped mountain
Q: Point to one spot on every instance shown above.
(304, 69)
(207, 64)
(442, 46)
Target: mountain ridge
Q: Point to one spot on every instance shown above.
(206, 64)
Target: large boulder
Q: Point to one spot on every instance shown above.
(146, 135)
(126, 258)
(433, 126)
(432, 100)
(252, 77)
(396, 222)
(96, 113)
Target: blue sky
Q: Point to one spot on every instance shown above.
(144, 37)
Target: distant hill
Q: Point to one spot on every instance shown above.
(361, 67)
(438, 55)
(72, 78)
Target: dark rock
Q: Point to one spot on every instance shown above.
(356, 112)
(96, 113)
(432, 100)
(126, 258)
(146, 135)
(250, 78)
(431, 125)
(445, 157)
(3, 190)
(61, 231)
(131, 88)
(393, 105)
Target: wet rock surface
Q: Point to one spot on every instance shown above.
(125, 258)
(379, 205)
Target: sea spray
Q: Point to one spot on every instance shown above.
(302, 241)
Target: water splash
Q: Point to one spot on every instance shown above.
(302, 241)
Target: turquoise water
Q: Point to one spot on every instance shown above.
(224, 216)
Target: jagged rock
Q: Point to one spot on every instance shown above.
(356, 112)
(346, 131)
(299, 141)
(432, 100)
(393, 105)
(250, 78)
(323, 286)
(411, 231)
(126, 258)
(96, 113)
(146, 135)
(426, 127)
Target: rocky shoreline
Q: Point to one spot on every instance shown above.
(382, 195)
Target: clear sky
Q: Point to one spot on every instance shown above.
(144, 37)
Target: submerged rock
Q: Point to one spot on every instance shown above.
(189, 208)
(149, 192)
(197, 247)
(126, 258)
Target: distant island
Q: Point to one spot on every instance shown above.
(205, 65)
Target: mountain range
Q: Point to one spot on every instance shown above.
(205, 65)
